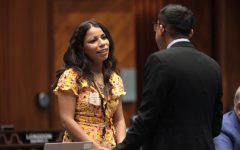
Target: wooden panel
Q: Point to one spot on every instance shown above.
(4, 103)
(24, 63)
(28, 61)
(117, 16)
(227, 33)
(146, 13)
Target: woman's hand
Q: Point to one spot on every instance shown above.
(103, 148)
(99, 147)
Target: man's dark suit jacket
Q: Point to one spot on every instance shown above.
(181, 106)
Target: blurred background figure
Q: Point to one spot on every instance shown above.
(229, 137)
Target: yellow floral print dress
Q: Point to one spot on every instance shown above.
(89, 115)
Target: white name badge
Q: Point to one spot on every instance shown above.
(94, 99)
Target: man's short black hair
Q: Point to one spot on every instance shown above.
(177, 19)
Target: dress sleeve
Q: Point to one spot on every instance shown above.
(68, 81)
(117, 85)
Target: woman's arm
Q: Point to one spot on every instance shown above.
(119, 123)
(67, 105)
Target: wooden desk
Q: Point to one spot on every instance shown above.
(28, 140)
(39, 146)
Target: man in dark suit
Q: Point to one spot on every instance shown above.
(229, 137)
(181, 106)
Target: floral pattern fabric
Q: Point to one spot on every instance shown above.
(89, 115)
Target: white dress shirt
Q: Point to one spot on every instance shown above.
(177, 40)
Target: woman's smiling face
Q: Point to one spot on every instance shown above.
(96, 45)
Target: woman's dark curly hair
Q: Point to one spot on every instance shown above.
(75, 58)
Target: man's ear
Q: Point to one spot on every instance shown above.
(191, 34)
(162, 28)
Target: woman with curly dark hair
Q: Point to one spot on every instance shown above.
(89, 88)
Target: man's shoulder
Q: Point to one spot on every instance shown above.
(160, 53)
(157, 56)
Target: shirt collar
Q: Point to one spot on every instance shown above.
(177, 40)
